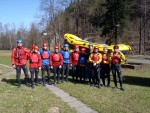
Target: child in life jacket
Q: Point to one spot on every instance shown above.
(45, 55)
(66, 56)
(35, 64)
(95, 58)
(105, 67)
(82, 65)
(116, 58)
(56, 62)
(19, 61)
(74, 60)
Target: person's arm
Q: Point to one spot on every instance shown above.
(90, 58)
(100, 58)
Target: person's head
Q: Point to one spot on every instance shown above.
(19, 42)
(90, 46)
(56, 49)
(116, 48)
(76, 48)
(66, 46)
(45, 45)
(35, 48)
(83, 50)
(105, 50)
(96, 49)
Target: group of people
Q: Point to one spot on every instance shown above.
(87, 64)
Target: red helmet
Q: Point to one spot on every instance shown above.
(76, 46)
(56, 47)
(45, 44)
(35, 47)
(96, 47)
(83, 49)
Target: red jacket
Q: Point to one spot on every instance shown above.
(56, 59)
(19, 56)
(35, 60)
(74, 57)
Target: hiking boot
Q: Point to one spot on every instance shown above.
(122, 89)
(99, 86)
(49, 83)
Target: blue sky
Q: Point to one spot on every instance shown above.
(18, 12)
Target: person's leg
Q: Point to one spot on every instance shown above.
(67, 72)
(58, 74)
(108, 75)
(73, 71)
(18, 73)
(102, 72)
(48, 73)
(36, 75)
(98, 76)
(55, 71)
(43, 74)
(25, 70)
(63, 72)
(32, 71)
(114, 76)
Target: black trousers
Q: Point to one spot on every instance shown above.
(96, 74)
(116, 70)
(65, 68)
(105, 73)
(75, 69)
(18, 73)
(45, 68)
(56, 70)
(34, 74)
(81, 74)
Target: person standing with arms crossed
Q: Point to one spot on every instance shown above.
(19, 61)
(45, 55)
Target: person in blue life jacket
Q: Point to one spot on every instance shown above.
(66, 56)
(82, 65)
(45, 55)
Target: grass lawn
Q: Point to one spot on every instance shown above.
(135, 98)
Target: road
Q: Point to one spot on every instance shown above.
(138, 61)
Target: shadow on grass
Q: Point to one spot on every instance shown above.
(140, 81)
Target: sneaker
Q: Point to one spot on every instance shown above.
(44, 85)
(49, 83)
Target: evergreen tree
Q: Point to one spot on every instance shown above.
(118, 13)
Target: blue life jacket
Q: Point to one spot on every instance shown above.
(45, 61)
(66, 55)
(83, 59)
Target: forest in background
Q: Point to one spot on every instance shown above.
(103, 21)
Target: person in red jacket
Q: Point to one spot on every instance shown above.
(19, 61)
(74, 61)
(56, 62)
(35, 64)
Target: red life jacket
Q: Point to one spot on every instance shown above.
(45, 55)
(95, 57)
(20, 53)
(34, 58)
(75, 56)
(116, 58)
(104, 58)
(56, 57)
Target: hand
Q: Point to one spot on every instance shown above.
(105, 62)
(14, 66)
(39, 67)
(71, 65)
(52, 67)
(60, 66)
(94, 64)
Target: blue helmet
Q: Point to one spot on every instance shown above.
(66, 45)
(90, 44)
(19, 41)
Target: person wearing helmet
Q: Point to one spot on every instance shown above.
(66, 56)
(105, 67)
(116, 58)
(82, 65)
(19, 61)
(56, 62)
(89, 72)
(45, 55)
(95, 58)
(74, 60)
(35, 64)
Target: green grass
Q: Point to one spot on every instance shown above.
(5, 51)
(5, 60)
(135, 98)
